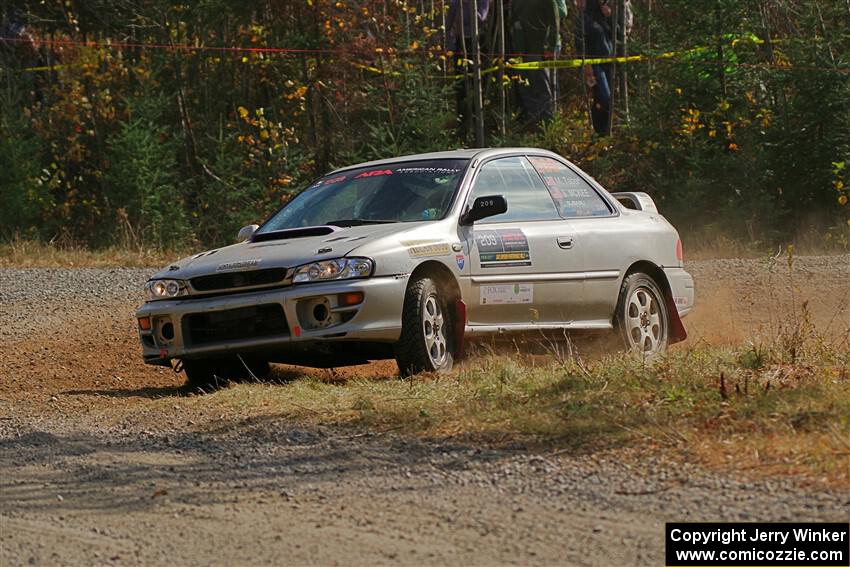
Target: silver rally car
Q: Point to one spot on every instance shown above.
(405, 258)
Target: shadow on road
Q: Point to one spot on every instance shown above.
(128, 470)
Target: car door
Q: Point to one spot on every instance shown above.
(523, 269)
(600, 243)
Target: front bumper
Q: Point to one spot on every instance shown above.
(682, 286)
(173, 332)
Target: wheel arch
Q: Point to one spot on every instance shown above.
(677, 328)
(440, 273)
(446, 280)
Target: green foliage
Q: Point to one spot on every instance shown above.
(141, 183)
(23, 195)
(741, 134)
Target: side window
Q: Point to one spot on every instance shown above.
(573, 195)
(514, 178)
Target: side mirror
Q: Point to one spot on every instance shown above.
(246, 232)
(484, 207)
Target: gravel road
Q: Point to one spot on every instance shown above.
(102, 461)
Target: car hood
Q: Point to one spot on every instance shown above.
(285, 253)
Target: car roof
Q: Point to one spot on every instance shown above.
(451, 154)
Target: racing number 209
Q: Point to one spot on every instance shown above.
(488, 239)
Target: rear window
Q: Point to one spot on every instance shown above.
(573, 196)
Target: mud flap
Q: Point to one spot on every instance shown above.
(677, 328)
(460, 328)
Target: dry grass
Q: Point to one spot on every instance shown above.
(735, 408)
(20, 253)
(709, 245)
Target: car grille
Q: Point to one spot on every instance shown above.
(235, 280)
(234, 324)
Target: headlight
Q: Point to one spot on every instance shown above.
(338, 269)
(164, 289)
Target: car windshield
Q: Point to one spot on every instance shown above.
(397, 192)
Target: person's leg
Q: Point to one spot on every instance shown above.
(462, 91)
(601, 100)
(536, 96)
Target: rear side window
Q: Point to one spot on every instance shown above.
(573, 195)
(514, 178)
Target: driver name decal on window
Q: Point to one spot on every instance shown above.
(503, 248)
(374, 173)
(572, 194)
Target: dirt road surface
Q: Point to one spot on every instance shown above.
(103, 462)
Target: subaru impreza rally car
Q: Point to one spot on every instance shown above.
(407, 257)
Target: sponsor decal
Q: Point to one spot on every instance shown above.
(426, 248)
(324, 182)
(438, 170)
(373, 173)
(681, 300)
(545, 165)
(507, 294)
(241, 265)
(461, 261)
(503, 248)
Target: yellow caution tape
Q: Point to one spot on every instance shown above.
(517, 65)
(45, 68)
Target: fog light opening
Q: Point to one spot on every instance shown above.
(320, 312)
(167, 331)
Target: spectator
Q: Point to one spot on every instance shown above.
(13, 28)
(593, 40)
(459, 41)
(535, 32)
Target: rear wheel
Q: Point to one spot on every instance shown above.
(426, 333)
(642, 319)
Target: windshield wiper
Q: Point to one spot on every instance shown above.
(357, 222)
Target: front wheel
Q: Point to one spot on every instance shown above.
(642, 319)
(426, 333)
(211, 373)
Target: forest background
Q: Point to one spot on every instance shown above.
(157, 124)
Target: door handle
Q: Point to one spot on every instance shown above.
(565, 242)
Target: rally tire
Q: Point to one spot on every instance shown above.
(203, 375)
(642, 320)
(208, 374)
(426, 342)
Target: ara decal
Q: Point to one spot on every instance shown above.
(374, 173)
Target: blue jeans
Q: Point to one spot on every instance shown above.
(601, 110)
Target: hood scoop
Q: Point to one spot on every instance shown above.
(294, 233)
